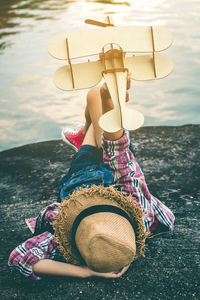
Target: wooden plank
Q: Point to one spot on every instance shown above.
(86, 75)
(90, 42)
(142, 67)
(57, 46)
(132, 119)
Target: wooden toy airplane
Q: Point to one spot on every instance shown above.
(112, 44)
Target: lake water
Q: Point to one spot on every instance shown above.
(32, 109)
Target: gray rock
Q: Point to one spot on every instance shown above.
(170, 158)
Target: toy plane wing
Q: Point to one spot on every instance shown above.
(90, 42)
(141, 68)
(66, 80)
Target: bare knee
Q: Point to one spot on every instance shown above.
(93, 95)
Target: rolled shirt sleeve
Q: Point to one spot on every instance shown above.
(129, 177)
(26, 255)
(126, 170)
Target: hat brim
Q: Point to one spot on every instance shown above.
(84, 198)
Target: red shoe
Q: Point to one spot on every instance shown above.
(73, 137)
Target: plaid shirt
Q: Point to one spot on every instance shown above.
(127, 175)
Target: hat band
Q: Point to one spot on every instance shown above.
(97, 209)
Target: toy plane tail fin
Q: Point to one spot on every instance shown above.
(120, 116)
(132, 120)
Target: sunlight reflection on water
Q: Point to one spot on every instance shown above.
(33, 109)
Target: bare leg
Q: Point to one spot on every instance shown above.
(93, 112)
(89, 138)
(98, 102)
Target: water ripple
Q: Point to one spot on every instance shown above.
(36, 110)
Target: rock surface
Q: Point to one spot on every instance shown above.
(170, 158)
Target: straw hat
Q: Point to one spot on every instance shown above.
(100, 227)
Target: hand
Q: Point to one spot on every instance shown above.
(110, 274)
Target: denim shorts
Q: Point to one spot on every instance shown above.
(87, 169)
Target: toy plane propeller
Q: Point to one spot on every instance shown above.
(111, 44)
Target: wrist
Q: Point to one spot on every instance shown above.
(87, 272)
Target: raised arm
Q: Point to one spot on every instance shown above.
(107, 105)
